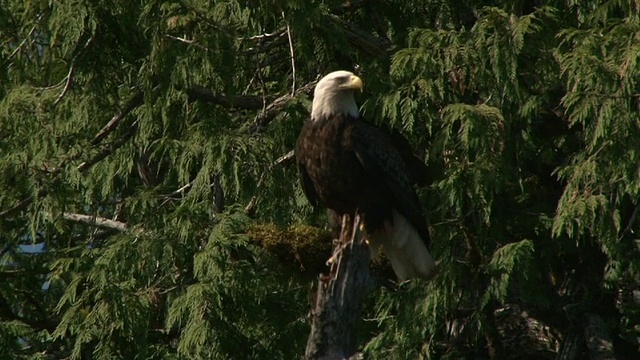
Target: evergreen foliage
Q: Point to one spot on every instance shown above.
(143, 155)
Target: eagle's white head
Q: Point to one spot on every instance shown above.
(334, 95)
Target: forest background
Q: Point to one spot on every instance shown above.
(150, 209)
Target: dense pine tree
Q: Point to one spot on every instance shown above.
(149, 207)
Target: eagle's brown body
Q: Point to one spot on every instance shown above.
(330, 155)
(349, 166)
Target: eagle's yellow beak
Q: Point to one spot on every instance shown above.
(354, 82)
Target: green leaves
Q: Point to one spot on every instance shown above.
(512, 258)
(135, 138)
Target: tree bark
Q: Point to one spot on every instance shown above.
(96, 221)
(598, 338)
(339, 298)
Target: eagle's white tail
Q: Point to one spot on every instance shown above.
(405, 249)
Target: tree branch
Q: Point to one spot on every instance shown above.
(245, 102)
(336, 313)
(187, 41)
(629, 226)
(67, 85)
(72, 69)
(371, 45)
(263, 36)
(96, 221)
(134, 102)
(17, 49)
(251, 207)
(7, 313)
(286, 157)
(107, 150)
(17, 207)
(265, 117)
(274, 41)
(293, 59)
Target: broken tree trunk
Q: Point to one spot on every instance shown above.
(598, 338)
(336, 312)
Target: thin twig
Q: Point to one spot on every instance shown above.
(51, 87)
(107, 150)
(33, 29)
(276, 105)
(277, 41)
(632, 219)
(250, 208)
(67, 84)
(293, 62)
(180, 191)
(263, 36)
(134, 102)
(187, 41)
(17, 207)
(72, 69)
(250, 82)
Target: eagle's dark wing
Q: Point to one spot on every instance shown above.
(382, 162)
(302, 150)
(416, 168)
(307, 185)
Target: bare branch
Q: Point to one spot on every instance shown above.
(181, 190)
(293, 61)
(276, 106)
(371, 45)
(22, 203)
(264, 36)
(134, 102)
(274, 42)
(72, 69)
(96, 221)
(7, 313)
(131, 104)
(17, 207)
(33, 29)
(51, 87)
(286, 157)
(67, 84)
(187, 41)
(251, 206)
(629, 226)
(245, 102)
(107, 150)
(250, 209)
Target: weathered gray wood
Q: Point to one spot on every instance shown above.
(571, 345)
(339, 298)
(598, 339)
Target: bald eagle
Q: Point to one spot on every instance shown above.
(349, 166)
